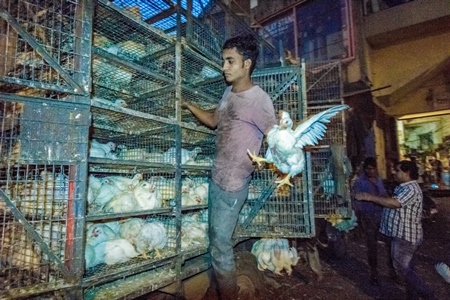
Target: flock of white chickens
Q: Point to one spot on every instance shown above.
(119, 241)
(118, 194)
(111, 150)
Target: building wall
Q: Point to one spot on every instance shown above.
(398, 65)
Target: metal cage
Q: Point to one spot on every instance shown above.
(42, 175)
(45, 48)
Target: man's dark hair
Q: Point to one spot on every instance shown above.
(245, 45)
(409, 167)
(370, 162)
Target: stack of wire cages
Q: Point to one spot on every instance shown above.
(42, 173)
(204, 24)
(45, 51)
(331, 170)
(130, 255)
(131, 227)
(148, 159)
(44, 124)
(285, 212)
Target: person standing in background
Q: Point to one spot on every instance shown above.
(242, 118)
(401, 220)
(368, 213)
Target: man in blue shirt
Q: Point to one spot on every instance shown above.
(369, 213)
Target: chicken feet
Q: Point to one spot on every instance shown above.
(334, 219)
(285, 180)
(158, 255)
(256, 158)
(144, 255)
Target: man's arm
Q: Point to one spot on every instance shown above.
(383, 201)
(206, 117)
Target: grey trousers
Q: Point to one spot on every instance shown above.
(224, 210)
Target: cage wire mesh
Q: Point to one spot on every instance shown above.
(132, 286)
(205, 25)
(198, 147)
(194, 231)
(270, 212)
(144, 240)
(136, 139)
(39, 54)
(67, 124)
(42, 131)
(324, 90)
(128, 190)
(329, 197)
(34, 242)
(323, 83)
(284, 86)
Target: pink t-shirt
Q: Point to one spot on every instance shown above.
(243, 119)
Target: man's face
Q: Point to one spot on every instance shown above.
(401, 176)
(370, 171)
(234, 67)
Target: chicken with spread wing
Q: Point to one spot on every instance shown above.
(285, 145)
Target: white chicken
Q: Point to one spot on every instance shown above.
(153, 236)
(201, 192)
(97, 149)
(124, 183)
(104, 246)
(283, 257)
(116, 251)
(275, 255)
(99, 233)
(89, 257)
(443, 270)
(262, 250)
(186, 200)
(130, 229)
(144, 196)
(105, 193)
(187, 185)
(94, 185)
(193, 232)
(169, 156)
(285, 146)
(148, 195)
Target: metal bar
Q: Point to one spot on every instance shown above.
(23, 293)
(162, 15)
(83, 44)
(268, 190)
(103, 217)
(323, 75)
(39, 49)
(39, 85)
(307, 192)
(158, 54)
(283, 86)
(70, 222)
(130, 65)
(36, 237)
(55, 102)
